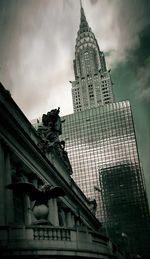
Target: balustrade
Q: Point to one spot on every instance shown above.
(42, 233)
(75, 240)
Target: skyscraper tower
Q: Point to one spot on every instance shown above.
(101, 144)
(92, 86)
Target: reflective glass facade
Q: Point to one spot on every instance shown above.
(125, 205)
(101, 146)
(97, 138)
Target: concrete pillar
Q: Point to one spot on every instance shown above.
(2, 188)
(9, 193)
(27, 209)
(27, 203)
(69, 221)
(63, 217)
(31, 203)
(77, 222)
(53, 212)
(73, 219)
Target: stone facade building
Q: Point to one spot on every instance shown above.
(64, 225)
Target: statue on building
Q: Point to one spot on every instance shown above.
(40, 197)
(53, 122)
(50, 130)
(49, 133)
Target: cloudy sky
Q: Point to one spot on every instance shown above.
(37, 39)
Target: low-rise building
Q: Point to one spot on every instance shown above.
(65, 225)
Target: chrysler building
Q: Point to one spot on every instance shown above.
(101, 143)
(92, 86)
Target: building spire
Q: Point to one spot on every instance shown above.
(83, 22)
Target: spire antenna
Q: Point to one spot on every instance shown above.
(81, 3)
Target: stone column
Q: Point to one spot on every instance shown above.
(63, 214)
(28, 212)
(25, 199)
(53, 212)
(35, 183)
(69, 221)
(77, 222)
(2, 184)
(73, 219)
(9, 193)
(63, 217)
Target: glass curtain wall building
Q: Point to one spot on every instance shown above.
(101, 144)
(126, 212)
(98, 138)
(102, 149)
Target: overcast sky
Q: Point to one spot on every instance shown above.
(37, 45)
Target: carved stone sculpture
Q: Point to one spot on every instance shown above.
(50, 130)
(41, 197)
(49, 134)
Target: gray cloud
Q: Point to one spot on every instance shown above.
(144, 81)
(37, 47)
(118, 26)
(36, 54)
(93, 1)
